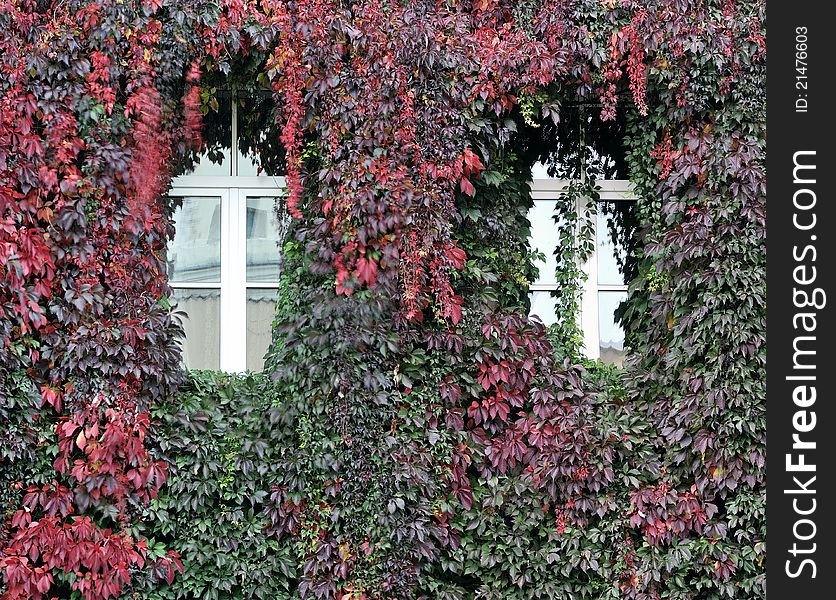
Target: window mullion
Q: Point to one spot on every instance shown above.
(233, 151)
(589, 301)
(233, 288)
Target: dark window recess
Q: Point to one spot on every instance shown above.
(257, 145)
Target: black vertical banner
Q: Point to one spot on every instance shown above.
(801, 421)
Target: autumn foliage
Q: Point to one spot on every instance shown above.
(428, 435)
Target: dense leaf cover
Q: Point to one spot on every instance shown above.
(415, 435)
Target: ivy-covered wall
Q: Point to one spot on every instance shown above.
(414, 434)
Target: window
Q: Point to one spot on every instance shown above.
(224, 265)
(224, 260)
(604, 288)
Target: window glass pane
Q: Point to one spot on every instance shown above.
(610, 333)
(248, 165)
(540, 170)
(604, 148)
(544, 238)
(542, 305)
(556, 166)
(263, 234)
(585, 143)
(261, 306)
(216, 163)
(611, 256)
(194, 255)
(213, 158)
(201, 325)
(260, 149)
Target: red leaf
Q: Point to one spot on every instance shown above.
(44, 583)
(366, 271)
(472, 163)
(467, 187)
(457, 256)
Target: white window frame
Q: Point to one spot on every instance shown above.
(548, 190)
(233, 192)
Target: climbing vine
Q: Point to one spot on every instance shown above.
(428, 433)
(575, 212)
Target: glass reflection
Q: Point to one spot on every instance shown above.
(261, 305)
(194, 255)
(213, 158)
(264, 230)
(201, 326)
(544, 232)
(610, 333)
(610, 255)
(543, 306)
